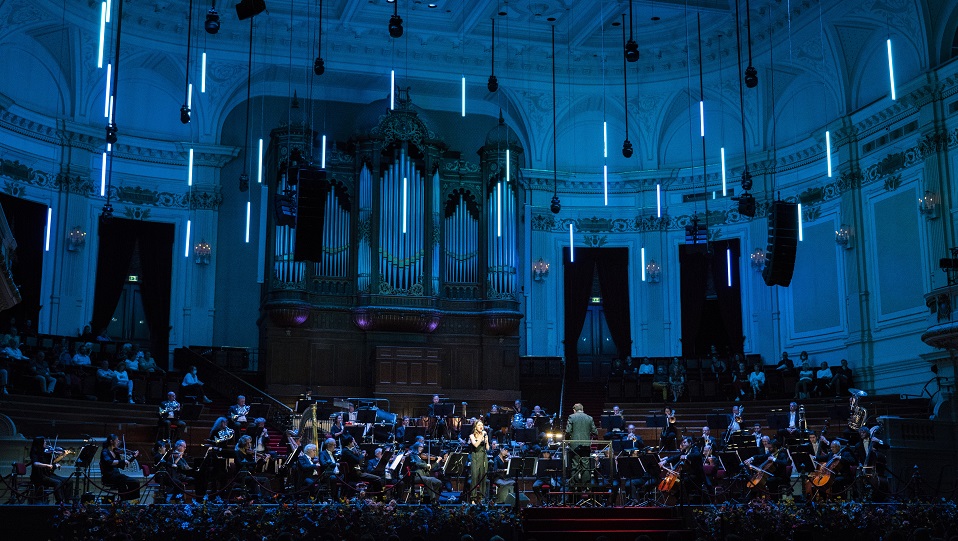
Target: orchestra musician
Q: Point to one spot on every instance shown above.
(689, 462)
(169, 414)
(841, 468)
(330, 468)
(504, 485)
(580, 430)
(353, 456)
(112, 460)
(669, 434)
(757, 434)
(632, 436)
(337, 428)
(179, 469)
(521, 409)
(307, 466)
(401, 429)
(419, 467)
(794, 423)
(261, 440)
(437, 418)
(478, 447)
(43, 464)
(221, 435)
(816, 447)
(246, 462)
(774, 463)
(238, 413)
(871, 462)
(706, 439)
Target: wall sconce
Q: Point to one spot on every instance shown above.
(540, 269)
(654, 271)
(843, 237)
(928, 205)
(202, 252)
(759, 259)
(76, 238)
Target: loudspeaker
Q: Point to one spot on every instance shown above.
(310, 213)
(782, 243)
(250, 8)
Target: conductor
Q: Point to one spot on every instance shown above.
(580, 430)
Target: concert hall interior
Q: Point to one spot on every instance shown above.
(273, 248)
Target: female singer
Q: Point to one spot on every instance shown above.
(478, 445)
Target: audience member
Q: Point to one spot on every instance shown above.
(822, 378)
(757, 380)
(13, 349)
(842, 378)
(147, 364)
(103, 336)
(785, 365)
(646, 368)
(4, 381)
(40, 371)
(803, 387)
(661, 381)
(192, 386)
(86, 334)
(82, 357)
(739, 379)
(676, 379)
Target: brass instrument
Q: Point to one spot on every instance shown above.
(170, 409)
(223, 436)
(857, 415)
(241, 413)
(741, 412)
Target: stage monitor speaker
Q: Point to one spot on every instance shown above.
(310, 214)
(782, 244)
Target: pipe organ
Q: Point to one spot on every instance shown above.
(420, 248)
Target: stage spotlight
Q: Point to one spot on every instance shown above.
(627, 148)
(746, 180)
(751, 77)
(111, 133)
(185, 114)
(395, 26)
(106, 213)
(319, 66)
(493, 83)
(212, 21)
(556, 205)
(250, 8)
(632, 51)
(244, 183)
(746, 204)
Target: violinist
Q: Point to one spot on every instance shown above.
(353, 456)
(112, 460)
(246, 461)
(419, 467)
(330, 467)
(667, 439)
(169, 414)
(179, 469)
(308, 467)
(43, 462)
(771, 469)
(478, 446)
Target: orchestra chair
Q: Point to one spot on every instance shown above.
(149, 492)
(26, 489)
(415, 487)
(169, 430)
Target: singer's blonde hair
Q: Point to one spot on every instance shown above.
(476, 428)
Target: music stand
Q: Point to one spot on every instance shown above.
(412, 432)
(455, 465)
(499, 420)
(366, 415)
(777, 421)
(191, 412)
(803, 462)
(612, 422)
(656, 421)
(732, 463)
(444, 409)
(524, 435)
(380, 469)
(83, 462)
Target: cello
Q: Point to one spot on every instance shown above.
(761, 472)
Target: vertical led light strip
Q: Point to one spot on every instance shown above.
(247, 221)
(463, 95)
(392, 90)
(259, 164)
(728, 265)
(405, 201)
(724, 187)
(828, 151)
(107, 97)
(109, 8)
(499, 209)
(891, 69)
(103, 176)
(186, 252)
(605, 183)
(46, 242)
(800, 222)
(99, 55)
(203, 75)
(658, 200)
(189, 176)
(605, 139)
(571, 245)
(643, 263)
(508, 167)
(189, 96)
(702, 117)
(323, 159)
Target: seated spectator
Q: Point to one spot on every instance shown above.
(123, 382)
(61, 353)
(719, 366)
(739, 379)
(192, 386)
(28, 329)
(87, 334)
(82, 357)
(646, 368)
(132, 358)
(756, 380)
(147, 364)
(4, 381)
(13, 349)
(822, 378)
(105, 378)
(661, 382)
(40, 371)
(803, 387)
(842, 378)
(103, 336)
(785, 365)
(676, 379)
(69, 384)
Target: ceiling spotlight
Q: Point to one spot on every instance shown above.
(433, 6)
(556, 205)
(627, 148)
(244, 183)
(746, 180)
(632, 51)
(395, 26)
(746, 204)
(493, 83)
(111, 133)
(250, 8)
(319, 66)
(751, 77)
(185, 114)
(212, 20)
(106, 213)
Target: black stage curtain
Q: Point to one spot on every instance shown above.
(613, 267)
(577, 285)
(695, 263)
(156, 264)
(729, 298)
(693, 266)
(28, 222)
(117, 242)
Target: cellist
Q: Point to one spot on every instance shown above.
(772, 469)
(832, 474)
(688, 464)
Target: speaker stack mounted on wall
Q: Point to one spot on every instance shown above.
(782, 243)
(312, 190)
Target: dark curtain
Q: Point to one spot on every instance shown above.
(613, 269)
(693, 269)
(729, 298)
(156, 266)
(117, 241)
(28, 222)
(577, 287)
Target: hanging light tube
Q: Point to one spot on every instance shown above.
(322, 161)
(724, 187)
(109, 8)
(189, 177)
(891, 69)
(247, 221)
(203, 75)
(46, 241)
(99, 55)
(828, 151)
(800, 222)
(508, 167)
(605, 183)
(110, 119)
(189, 96)
(392, 90)
(658, 200)
(405, 202)
(702, 117)
(728, 265)
(605, 139)
(499, 209)
(103, 176)
(571, 245)
(643, 263)
(463, 95)
(259, 163)
(186, 251)
(107, 97)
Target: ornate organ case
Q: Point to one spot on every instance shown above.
(417, 289)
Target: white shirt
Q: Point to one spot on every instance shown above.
(824, 373)
(81, 360)
(122, 377)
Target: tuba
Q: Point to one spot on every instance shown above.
(857, 415)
